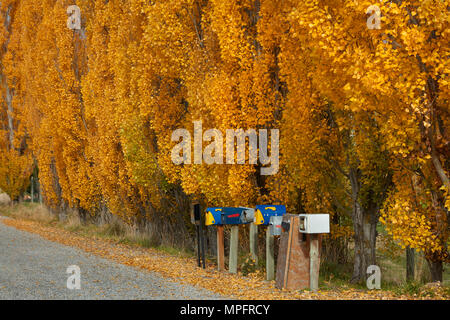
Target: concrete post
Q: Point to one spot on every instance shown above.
(234, 241)
(314, 262)
(254, 242)
(270, 256)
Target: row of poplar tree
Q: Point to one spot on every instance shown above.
(363, 113)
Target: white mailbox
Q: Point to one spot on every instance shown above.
(314, 223)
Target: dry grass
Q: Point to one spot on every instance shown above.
(116, 229)
(125, 233)
(28, 211)
(4, 199)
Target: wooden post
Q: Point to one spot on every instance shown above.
(288, 256)
(220, 249)
(314, 262)
(196, 219)
(270, 256)
(254, 242)
(234, 241)
(199, 253)
(202, 245)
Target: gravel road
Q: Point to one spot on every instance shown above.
(34, 268)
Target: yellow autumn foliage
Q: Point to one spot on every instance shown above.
(363, 114)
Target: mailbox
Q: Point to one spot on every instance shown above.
(314, 223)
(248, 215)
(229, 215)
(264, 212)
(239, 215)
(275, 225)
(213, 216)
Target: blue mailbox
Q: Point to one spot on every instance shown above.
(213, 216)
(228, 215)
(264, 212)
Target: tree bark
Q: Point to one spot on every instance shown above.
(9, 115)
(8, 93)
(410, 264)
(436, 270)
(364, 224)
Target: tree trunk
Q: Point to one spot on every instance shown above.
(39, 190)
(32, 189)
(9, 115)
(364, 224)
(436, 270)
(410, 265)
(8, 94)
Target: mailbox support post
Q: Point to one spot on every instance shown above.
(234, 240)
(314, 262)
(254, 241)
(270, 256)
(197, 220)
(220, 249)
(202, 246)
(198, 248)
